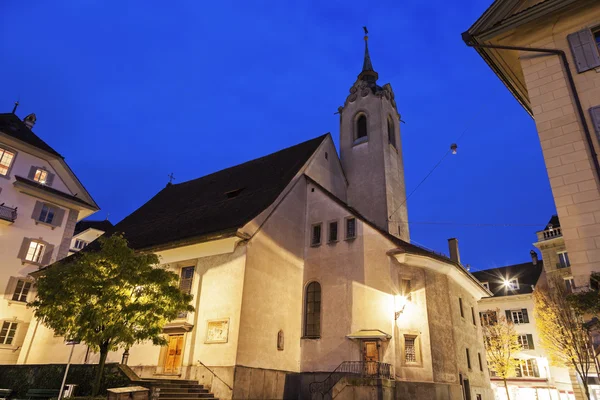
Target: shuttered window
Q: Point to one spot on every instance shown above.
(35, 251)
(21, 290)
(312, 310)
(41, 175)
(6, 159)
(584, 49)
(48, 214)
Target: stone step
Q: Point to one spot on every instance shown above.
(198, 389)
(198, 396)
(167, 380)
(183, 394)
(177, 385)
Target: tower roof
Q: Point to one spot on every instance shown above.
(368, 73)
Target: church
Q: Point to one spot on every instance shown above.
(300, 265)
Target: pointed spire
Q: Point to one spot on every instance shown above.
(368, 73)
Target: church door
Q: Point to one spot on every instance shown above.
(174, 352)
(371, 357)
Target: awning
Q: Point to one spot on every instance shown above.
(178, 327)
(373, 334)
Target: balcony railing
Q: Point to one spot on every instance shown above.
(7, 213)
(356, 369)
(552, 233)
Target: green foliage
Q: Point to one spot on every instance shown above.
(21, 378)
(587, 301)
(112, 297)
(501, 346)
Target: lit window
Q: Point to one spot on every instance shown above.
(350, 228)
(528, 368)
(40, 176)
(35, 251)
(315, 239)
(7, 334)
(524, 342)
(21, 291)
(80, 244)
(47, 214)
(563, 260)
(333, 231)
(486, 285)
(6, 159)
(410, 349)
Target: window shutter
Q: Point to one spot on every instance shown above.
(48, 249)
(536, 371)
(24, 247)
(525, 316)
(49, 179)
(37, 210)
(10, 288)
(508, 317)
(31, 174)
(530, 341)
(585, 52)
(59, 214)
(595, 113)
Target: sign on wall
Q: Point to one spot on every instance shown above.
(217, 330)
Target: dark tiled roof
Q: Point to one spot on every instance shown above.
(54, 192)
(215, 204)
(554, 221)
(526, 273)
(11, 125)
(84, 225)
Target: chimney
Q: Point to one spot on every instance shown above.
(534, 257)
(453, 246)
(30, 120)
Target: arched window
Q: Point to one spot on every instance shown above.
(391, 132)
(312, 310)
(361, 126)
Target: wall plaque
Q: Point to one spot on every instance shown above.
(217, 330)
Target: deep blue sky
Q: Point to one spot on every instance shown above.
(131, 91)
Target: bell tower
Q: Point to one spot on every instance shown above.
(371, 151)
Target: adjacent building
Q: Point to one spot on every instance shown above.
(86, 232)
(300, 264)
(41, 200)
(547, 53)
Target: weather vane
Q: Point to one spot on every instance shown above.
(366, 30)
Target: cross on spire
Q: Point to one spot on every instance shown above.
(368, 73)
(171, 178)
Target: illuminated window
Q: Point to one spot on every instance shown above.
(6, 159)
(80, 244)
(315, 239)
(410, 349)
(35, 252)
(350, 228)
(528, 368)
(21, 290)
(312, 311)
(563, 260)
(7, 334)
(47, 214)
(40, 176)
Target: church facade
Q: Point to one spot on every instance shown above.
(300, 264)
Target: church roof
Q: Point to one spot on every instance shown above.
(527, 275)
(84, 225)
(215, 205)
(12, 126)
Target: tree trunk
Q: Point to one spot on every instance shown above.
(100, 370)
(587, 389)
(506, 387)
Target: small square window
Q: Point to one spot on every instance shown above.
(350, 228)
(40, 176)
(333, 231)
(6, 159)
(21, 291)
(315, 239)
(35, 252)
(7, 333)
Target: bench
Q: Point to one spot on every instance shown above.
(5, 393)
(42, 393)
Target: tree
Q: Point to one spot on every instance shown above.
(501, 346)
(562, 331)
(110, 297)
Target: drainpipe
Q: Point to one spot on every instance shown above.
(471, 42)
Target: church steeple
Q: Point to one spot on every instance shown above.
(367, 74)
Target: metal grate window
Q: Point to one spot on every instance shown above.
(7, 334)
(21, 291)
(350, 228)
(410, 350)
(312, 317)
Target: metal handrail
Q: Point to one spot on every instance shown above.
(8, 213)
(215, 375)
(363, 369)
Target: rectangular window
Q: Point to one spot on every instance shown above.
(410, 349)
(185, 281)
(468, 359)
(350, 228)
(570, 284)
(529, 368)
(80, 244)
(333, 231)
(6, 159)
(478, 396)
(563, 260)
(7, 333)
(513, 284)
(40, 176)
(488, 318)
(473, 316)
(21, 290)
(460, 305)
(315, 239)
(35, 252)
(596, 34)
(480, 364)
(518, 316)
(524, 342)
(47, 214)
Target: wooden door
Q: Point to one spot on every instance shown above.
(174, 352)
(371, 357)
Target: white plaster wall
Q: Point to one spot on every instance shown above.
(327, 170)
(89, 235)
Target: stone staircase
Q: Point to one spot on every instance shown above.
(177, 389)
